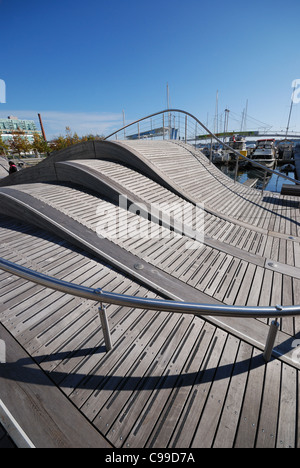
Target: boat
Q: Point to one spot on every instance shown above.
(237, 143)
(285, 150)
(265, 153)
(288, 168)
(220, 156)
(217, 153)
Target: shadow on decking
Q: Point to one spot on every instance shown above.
(19, 370)
(279, 202)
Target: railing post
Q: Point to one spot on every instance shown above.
(236, 169)
(274, 327)
(264, 183)
(185, 130)
(271, 340)
(105, 327)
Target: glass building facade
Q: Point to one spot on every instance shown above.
(13, 124)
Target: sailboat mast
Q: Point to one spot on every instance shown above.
(216, 129)
(168, 107)
(289, 119)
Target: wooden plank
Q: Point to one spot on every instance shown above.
(170, 379)
(116, 397)
(226, 431)
(189, 420)
(210, 417)
(170, 417)
(287, 423)
(267, 430)
(250, 411)
(131, 426)
(44, 414)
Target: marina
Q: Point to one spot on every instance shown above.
(284, 158)
(125, 330)
(255, 178)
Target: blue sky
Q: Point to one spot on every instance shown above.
(82, 63)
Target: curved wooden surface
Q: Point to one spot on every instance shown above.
(185, 372)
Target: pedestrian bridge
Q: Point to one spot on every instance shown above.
(152, 219)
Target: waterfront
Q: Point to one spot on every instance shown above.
(273, 182)
(183, 380)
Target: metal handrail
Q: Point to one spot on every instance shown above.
(99, 295)
(261, 166)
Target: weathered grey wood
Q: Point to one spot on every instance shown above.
(41, 410)
(205, 433)
(225, 434)
(226, 396)
(287, 423)
(250, 411)
(267, 430)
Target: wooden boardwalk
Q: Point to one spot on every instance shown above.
(171, 380)
(176, 372)
(234, 277)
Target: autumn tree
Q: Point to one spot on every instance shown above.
(70, 139)
(20, 143)
(92, 137)
(3, 146)
(39, 144)
(62, 142)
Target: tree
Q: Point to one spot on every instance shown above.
(20, 143)
(92, 137)
(58, 143)
(3, 146)
(70, 139)
(39, 144)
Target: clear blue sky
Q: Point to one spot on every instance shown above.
(82, 63)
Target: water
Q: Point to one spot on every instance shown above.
(273, 182)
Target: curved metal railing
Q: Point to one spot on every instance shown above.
(213, 136)
(101, 296)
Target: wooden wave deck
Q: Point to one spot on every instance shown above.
(171, 380)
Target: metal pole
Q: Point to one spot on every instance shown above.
(124, 124)
(163, 116)
(274, 327)
(236, 169)
(264, 183)
(105, 327)
(185, 137)
(174, 306)
(42, 127)
(289, 119)
(210, 156)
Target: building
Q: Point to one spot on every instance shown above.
(13, 124)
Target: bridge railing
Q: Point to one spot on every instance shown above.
(196, 309)
(177, 124)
